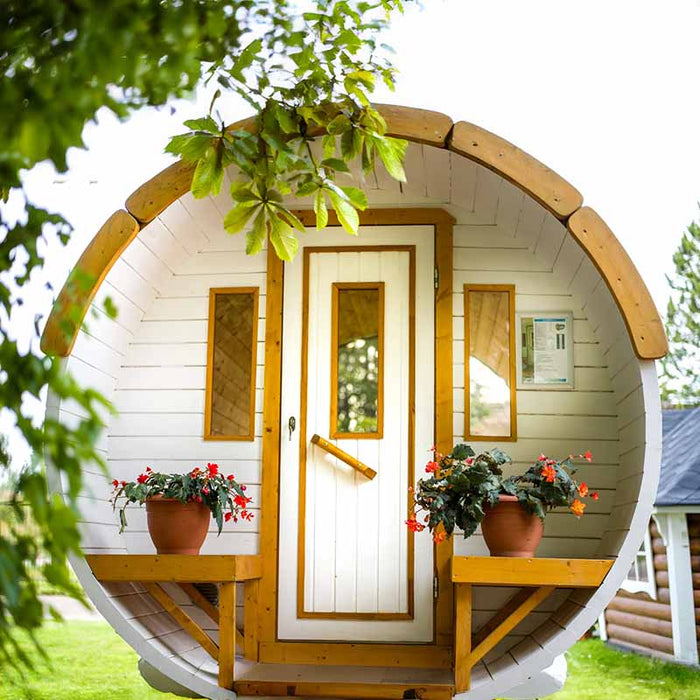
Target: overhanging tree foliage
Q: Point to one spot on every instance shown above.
(680, 384)
(302, 73)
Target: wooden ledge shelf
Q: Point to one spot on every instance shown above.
(512, 571)
(538, 578)
(154, 569)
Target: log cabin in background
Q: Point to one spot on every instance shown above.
(337, 598)
(657, 610)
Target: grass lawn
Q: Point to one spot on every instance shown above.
(597, 672)
(88, 661)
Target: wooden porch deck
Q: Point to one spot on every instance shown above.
(536, 578)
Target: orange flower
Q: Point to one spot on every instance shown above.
(439, 537)
(431, 467)
(577, 507)
(588, 456)
(595, 496)
(549, 473)
(414, 525)
(583, 489)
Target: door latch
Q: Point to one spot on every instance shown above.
(292, 425)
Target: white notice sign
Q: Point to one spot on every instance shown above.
(546, 350)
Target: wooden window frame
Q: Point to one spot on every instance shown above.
(635, 585)
(333, 432)
(510, 289)
(213, 293)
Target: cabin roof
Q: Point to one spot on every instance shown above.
(539, 182)
(679, 483)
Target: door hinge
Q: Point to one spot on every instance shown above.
(436, 586)
(436, 278)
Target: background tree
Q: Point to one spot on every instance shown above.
(301, 73)
(680, 384)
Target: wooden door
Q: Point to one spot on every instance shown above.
(358, 346)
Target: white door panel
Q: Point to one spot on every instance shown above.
(344, 575)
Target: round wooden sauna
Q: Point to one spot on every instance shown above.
(322, 582)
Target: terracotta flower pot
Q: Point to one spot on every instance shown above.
(175, 527)
(510, 531)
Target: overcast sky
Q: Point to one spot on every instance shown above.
(605, 92)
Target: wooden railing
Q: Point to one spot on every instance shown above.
(154, 569)
(537, 577)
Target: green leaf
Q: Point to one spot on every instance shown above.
(238, 217)
(339, 125)
(336, 164)
(245, 59)
(357, 197)
(283, 238)
(190, 147)
(202, 124)
(208, 175)
(348, 217)
(256, 237)
(321, 210)
(392, 152)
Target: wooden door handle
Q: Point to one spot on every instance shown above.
(344, 457)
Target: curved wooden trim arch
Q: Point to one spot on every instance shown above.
(82, 284)
(617, 269)
(419, 126)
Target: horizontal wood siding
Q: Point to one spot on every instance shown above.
(635, 621)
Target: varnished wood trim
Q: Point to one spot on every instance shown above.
(355, 690)
(227, 634)
(301, 533)
(544, 185)
(463, 636)
(537, 596)
(412, 216)
(158, 193)
(510, 290)
(444, 398)
(209, 392)
(513, 571)
(624, 281)
(343, 456)
(182, 618)
(84, 280)
(187, 568)
(360, 654)
(470, 141)
(417, 125)
(250, 619)
(379, 433)
(272, 396)
(201, 602)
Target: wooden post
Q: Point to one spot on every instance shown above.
(227, 634)
(674, 530)
(250, 620)
(463, 636)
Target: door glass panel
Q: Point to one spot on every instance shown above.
(357, 364)
(490, 388)
(231, 364)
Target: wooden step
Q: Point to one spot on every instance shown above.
(370, 683)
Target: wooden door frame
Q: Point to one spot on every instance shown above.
(439, 653)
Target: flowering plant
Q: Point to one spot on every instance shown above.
(222, 494)
(462, 485)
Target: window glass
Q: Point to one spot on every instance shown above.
(357, 365)
(489, 369)
(230, 407)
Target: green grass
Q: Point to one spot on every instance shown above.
(88, 661)
(597, 672)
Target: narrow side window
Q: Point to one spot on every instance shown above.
(229, 410)
(357, 360)
(489, 363)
